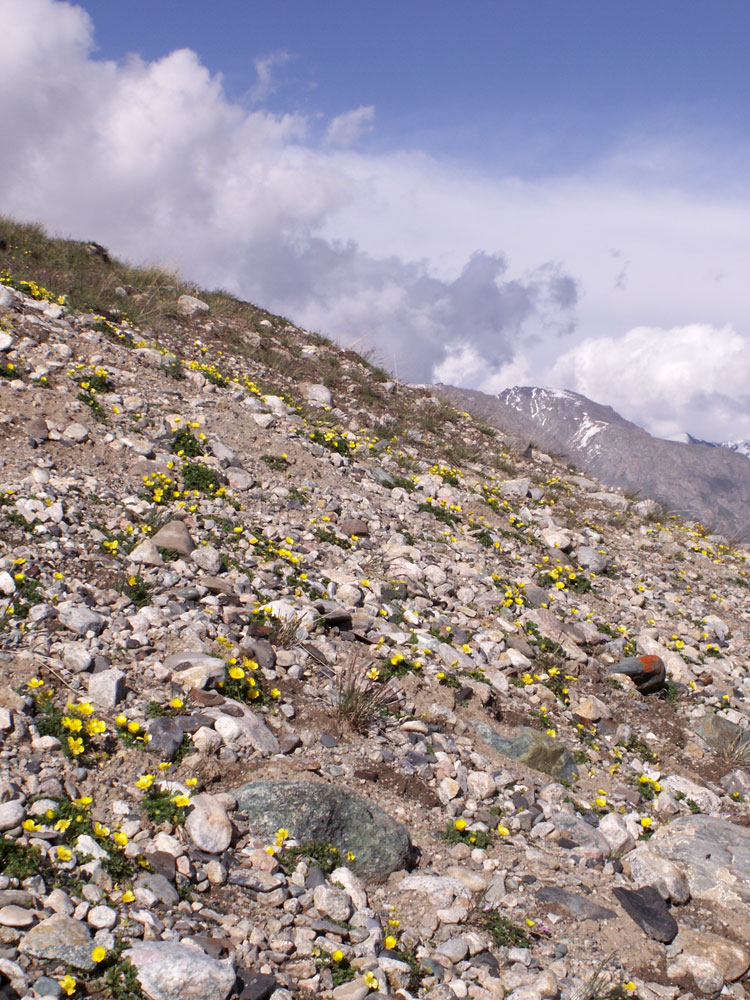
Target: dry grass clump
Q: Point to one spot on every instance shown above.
(360, 701)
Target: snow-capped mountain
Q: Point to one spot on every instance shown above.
(740, 447)
(698, 480)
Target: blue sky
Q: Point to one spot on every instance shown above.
(473, 80)
(488, 194)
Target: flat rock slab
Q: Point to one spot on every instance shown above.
(167, 970)
(60, 939)
(311, 811)
(647, 909)
(713, 853)
(577, 905)
(532, 747)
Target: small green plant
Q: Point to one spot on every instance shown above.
(121, 975)
(340, 968)
(162, 806)
(326, 535)
(672, 692)
(196, 476)
(9, 371)
(457, 833)
(403, 483)
(173, 368)
(156, 709)
(279, 463)
(448, 680)
(242, 682)
(324, 855)
(442, 514)
(18, 860)
(136, 588)
(185, 443)
(97, 410)
(331, 440)
(504, 932)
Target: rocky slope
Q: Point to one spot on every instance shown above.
(304, 686)
(694, 479)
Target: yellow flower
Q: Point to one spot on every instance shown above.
(275, 693)
(503, 831)
(337, 956)
(165, 765)
(145, 781)
(68, 985)
(98, 954)
(62, 825)
(236, 673)
(100, 830)
(128, 896)
(371, 980)
(35, 683)
(133, 726)
(390, 941)
(646, 821)
(191, 781)
(75, 745)
(120, 838)
(64, 854)
(460, 824)
(177, 703)
(181, 801)
(121, 720)
(601, 802)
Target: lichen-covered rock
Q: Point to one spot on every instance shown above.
(534, 748)
(313, 811)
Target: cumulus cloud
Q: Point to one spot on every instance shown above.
(447, 272)
(688, 378)
(153, 159)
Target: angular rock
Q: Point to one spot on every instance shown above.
(60, 939)
(534, 748)
(107, 688)
(190, 306)
(168, 970)
(174, 535)
(207, 557)
(579, 906)
(208, 825)
(146, 554)
(315, 811)
(11, 814)
(648, 868)
(195, 669)
(647, 909)
(612, 827)
(80, 619)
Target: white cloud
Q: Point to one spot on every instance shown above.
(444, 270)
(347, 128)
(265, 71)
(688, 378)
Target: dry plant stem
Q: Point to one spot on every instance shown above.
(359, 701)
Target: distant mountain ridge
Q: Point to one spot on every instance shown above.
(740, 447)
(698, 480)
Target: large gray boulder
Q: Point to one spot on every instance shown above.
(713, 853)
(311, 811)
